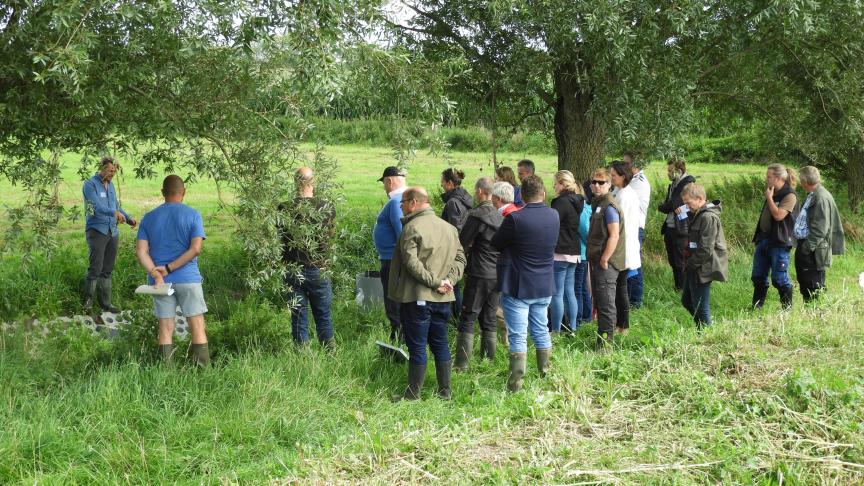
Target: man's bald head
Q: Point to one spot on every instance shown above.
(304, 176)
(414, 199)
(173, 187)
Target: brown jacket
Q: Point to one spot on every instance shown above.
(427, 252)
(708, 255)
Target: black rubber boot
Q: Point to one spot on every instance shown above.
(760, 293)
(105, 296)
(200, 354)
(785, 298)
(464, 349)
(166, 352)
(89, 295)
(543, 357)
(488, 345)
(416, 376)
(442, 373)
(517, 372)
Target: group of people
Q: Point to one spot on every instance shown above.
(537, 266)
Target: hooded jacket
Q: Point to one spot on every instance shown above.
(569, 206)
(480, 226)
(457, 203)
(708, 255)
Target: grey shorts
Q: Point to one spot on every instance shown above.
(189, 296)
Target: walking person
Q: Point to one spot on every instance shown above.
(569, 203)
(103, 214)
(628, 205)
(775, 236)
(527, 240)
(707, 256)
(388, 227)
(819, 234)
(606, 255)
(481, 297)
(427, 260)
(676, 225)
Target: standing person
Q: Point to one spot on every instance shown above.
(386, 233)
(525, 168)
(628, 205)
(505, 174)
(606, 255)
(580, 276)
(169, 242)
(569, 203)
(527, 240)
(306, 238)
(707, 259)
(819, 232)
(675, 227)
(639, 184)
(427, 261)
(103, 212)
(457, 203)
(502, 198)
(775, 236)
(481, 298)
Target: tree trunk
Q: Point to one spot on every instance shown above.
(855, 167)
(580, 137)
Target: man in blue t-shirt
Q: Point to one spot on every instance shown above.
(388, 227)
(169, 242)
(103, 213)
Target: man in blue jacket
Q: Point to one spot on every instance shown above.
(103, 213)
(527, 240)
(388, 227)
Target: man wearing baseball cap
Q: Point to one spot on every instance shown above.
(388, 227)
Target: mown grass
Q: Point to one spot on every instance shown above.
(758, 398)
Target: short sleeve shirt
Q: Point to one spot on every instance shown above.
(787, 204)
(169, 230)
(611, 215)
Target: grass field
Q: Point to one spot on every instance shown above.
(768, 398)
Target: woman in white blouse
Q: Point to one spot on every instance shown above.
(628, 200)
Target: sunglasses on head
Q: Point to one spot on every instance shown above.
(598, 183)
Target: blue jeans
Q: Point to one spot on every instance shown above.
(422, 324)
(636, 283)
(564, 299)
(314, 291)
(582, 289)
(774, 259)
(523, 316)
(697, 299)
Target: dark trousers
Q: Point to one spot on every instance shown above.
(811, 278)
(102, 253)
(391, 308)
(480, 302)
(622, 301)
(456, 309)
(675, 247)
(424, 324)
(636, 283)
(604, 287)
(314, 291)
(697, 299)
(583, 292)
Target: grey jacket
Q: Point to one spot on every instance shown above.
(824, 229)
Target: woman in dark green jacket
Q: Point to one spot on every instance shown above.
(819, 232)
(707, 259)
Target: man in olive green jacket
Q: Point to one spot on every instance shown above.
(707, 258)
(819, 232)
(427, 262)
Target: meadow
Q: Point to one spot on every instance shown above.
(769, 397)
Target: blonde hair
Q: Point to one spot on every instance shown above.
(694, 191)
(568, 182)
(810, 175)
(788, 175)
(602, 172)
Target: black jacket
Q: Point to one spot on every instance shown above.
(674, 200)
(569, 206)
(457, 203)
(480, 226)
(782, 233)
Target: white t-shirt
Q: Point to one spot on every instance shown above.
(642, 188)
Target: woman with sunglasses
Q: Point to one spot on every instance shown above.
(605, 251)
(628, 203)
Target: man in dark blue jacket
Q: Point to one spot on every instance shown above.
(527, 240)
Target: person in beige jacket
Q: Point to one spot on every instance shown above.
(427, 263)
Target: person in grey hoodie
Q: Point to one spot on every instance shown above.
(457, 203)
(707, 256)
(481, 298)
